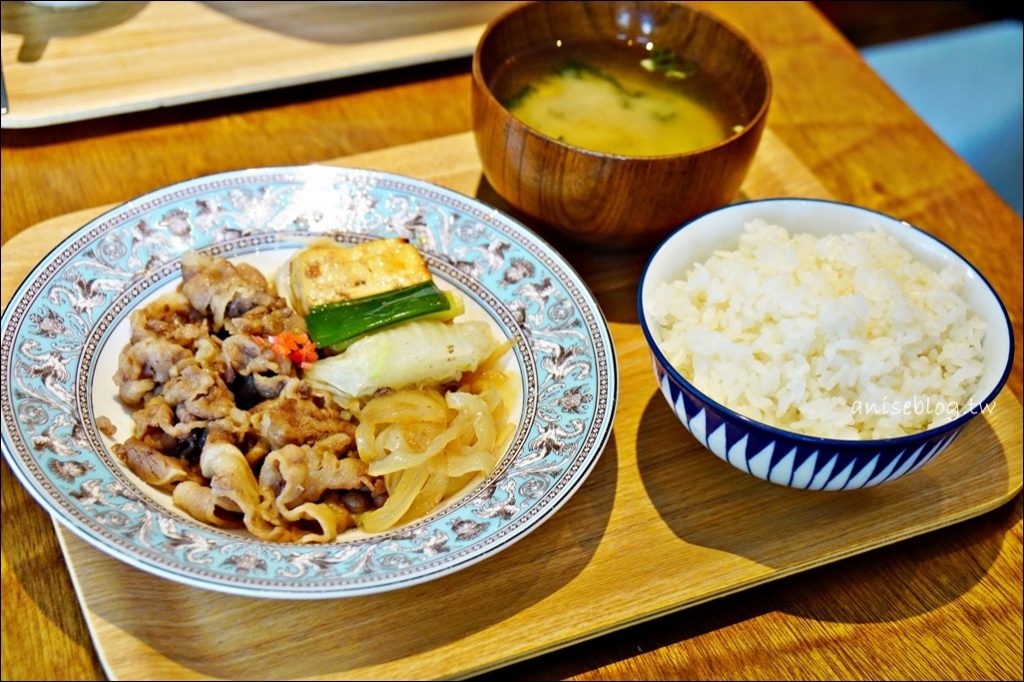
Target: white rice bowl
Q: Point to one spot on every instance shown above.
(844, 336)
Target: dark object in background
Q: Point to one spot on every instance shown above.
(866, 22)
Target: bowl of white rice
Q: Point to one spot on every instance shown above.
(821, 345)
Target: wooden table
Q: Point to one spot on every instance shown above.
(947, 605)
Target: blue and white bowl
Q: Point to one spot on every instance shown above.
(789, 458)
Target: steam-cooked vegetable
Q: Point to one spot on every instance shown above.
(416, 353)
(428, 446)
(336, 325)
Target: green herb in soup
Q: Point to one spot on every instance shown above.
(629, 102)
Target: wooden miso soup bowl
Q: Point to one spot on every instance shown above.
(602, 198)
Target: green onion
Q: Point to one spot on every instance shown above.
(665, 61)
(336, 325)
(517, 98)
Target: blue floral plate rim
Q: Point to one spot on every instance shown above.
(521, 281)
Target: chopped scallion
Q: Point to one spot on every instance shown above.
(336, 325)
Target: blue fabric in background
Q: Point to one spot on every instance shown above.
(966, 84)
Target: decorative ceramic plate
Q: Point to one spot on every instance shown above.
(66, 324)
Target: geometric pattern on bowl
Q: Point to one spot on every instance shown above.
(786, 457)
(798, 462)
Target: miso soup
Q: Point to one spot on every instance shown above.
(633, 102)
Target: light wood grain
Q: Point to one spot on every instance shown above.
(947, 605)
(656, 493)
(118, 57)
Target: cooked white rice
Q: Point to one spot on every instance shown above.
(844, 336)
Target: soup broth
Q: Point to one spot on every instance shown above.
(633, 102)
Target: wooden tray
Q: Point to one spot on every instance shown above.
(115, 57)
(660, 525)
